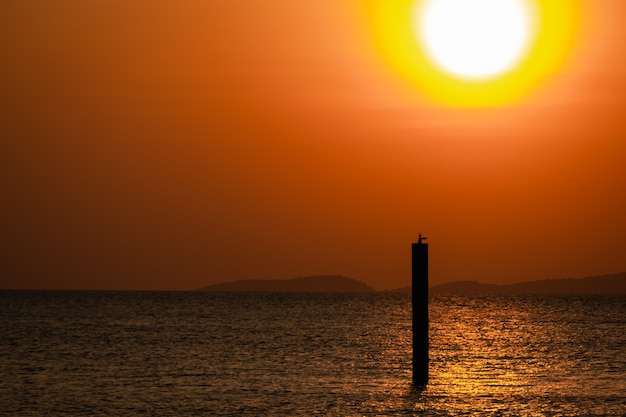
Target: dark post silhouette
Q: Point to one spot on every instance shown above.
(420, 311)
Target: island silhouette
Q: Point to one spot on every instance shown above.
(600, 284)
(317, 283)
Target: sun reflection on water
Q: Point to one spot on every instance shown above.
(524, 358)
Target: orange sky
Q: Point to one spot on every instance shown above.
(170, 145)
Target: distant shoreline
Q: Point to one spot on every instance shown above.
(610, 284)
(601, 284)
(317, 283)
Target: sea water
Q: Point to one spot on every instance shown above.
(204, 354)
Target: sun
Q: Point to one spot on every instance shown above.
(475, 53)
(474, 39)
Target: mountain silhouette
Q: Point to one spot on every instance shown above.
(602, 284)
(318, 283)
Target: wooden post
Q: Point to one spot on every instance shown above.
(420, 311)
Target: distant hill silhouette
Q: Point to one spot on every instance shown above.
(318, 283)
(602, 284)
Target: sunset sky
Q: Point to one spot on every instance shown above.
(168, 145)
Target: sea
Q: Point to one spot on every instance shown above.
(74, 353)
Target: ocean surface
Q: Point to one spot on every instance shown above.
(202, 354)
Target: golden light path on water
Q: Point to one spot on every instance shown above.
(507, 361)
(414, 40)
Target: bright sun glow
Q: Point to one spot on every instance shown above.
(474, 53)
(474, 39)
